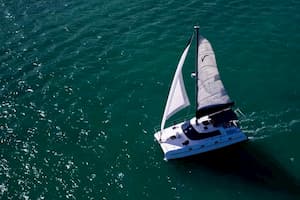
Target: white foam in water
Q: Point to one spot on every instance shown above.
(294, 122)
(259, 126)
(3, 189)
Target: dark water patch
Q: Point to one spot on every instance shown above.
(243, 164)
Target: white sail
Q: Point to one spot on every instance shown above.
(177, 98)
(211, 92)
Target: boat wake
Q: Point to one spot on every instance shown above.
(261, 125)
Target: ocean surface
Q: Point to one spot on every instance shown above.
(84, 83)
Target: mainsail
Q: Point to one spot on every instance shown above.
(177, 98)
(212, 95)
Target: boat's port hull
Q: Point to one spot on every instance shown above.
(175, 144)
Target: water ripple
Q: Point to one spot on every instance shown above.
(82, 85)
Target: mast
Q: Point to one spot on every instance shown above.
(196, 68)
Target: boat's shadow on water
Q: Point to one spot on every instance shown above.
(247, 163)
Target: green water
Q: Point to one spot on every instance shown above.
(83, 84)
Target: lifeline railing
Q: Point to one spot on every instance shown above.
(237, 111)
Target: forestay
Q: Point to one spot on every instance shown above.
(177, 98)
(212, 95)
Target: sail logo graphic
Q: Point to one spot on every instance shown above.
(203, 57)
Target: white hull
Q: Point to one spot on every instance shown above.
(176, 144)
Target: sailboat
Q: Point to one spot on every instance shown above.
(215, 124)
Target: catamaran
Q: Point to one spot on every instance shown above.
(215, 124)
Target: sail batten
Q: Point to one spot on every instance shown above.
(178, 98)
(211, 95)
